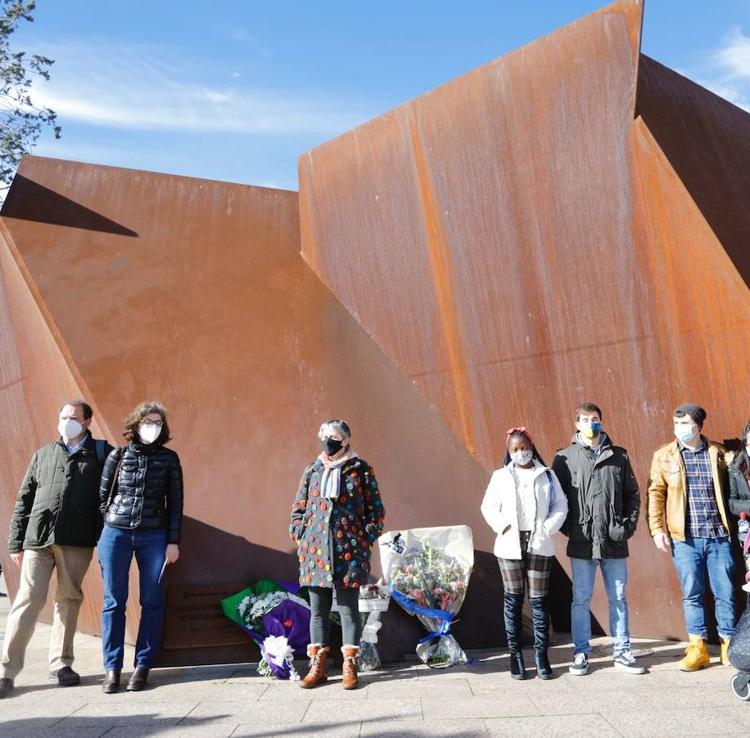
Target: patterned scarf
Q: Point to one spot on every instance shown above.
(331, 479)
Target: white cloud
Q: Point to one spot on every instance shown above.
(135, 88)
(734, 55)
(727, 70)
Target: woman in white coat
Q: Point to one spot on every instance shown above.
(525, 505)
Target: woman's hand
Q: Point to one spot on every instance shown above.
(172, 553)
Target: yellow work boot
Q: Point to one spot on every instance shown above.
(725, 651)
(696, 655)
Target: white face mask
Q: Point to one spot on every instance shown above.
(69, 428)
(149, 432)
(522, 457)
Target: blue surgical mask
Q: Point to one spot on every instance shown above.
(684, 433)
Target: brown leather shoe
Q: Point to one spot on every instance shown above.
(138, 679)
(317, 674)
(111, 683)
(350, 680)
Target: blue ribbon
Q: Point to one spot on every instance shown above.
(445, 618)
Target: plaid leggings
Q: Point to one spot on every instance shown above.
(531, 567)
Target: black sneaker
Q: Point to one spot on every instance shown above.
(65, 677)
(626, 662)
(6, 687)
(580, 665)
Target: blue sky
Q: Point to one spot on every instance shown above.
(237, 89)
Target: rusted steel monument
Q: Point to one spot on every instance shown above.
(568, 222)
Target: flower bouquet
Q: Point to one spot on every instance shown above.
(277, 619)
(428, 571)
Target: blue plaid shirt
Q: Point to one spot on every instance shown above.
(703, 519)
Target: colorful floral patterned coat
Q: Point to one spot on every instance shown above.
(335, 537)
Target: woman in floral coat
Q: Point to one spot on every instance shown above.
(336, 518)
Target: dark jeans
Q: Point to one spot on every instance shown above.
(116, 548)
(321, 599)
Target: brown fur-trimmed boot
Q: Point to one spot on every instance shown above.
(317, 673)
(350, 680)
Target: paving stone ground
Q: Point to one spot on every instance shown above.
(400, 700)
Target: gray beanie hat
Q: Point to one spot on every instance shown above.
(696, 412)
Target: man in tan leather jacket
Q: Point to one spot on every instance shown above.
(688, 516)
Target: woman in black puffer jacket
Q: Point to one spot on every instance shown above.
(141, 500)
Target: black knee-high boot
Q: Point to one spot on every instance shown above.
(512, 614)
(540, 622)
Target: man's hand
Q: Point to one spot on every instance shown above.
(17, 558)
(662, 542)
(172, 553)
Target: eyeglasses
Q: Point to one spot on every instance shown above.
(154, 423)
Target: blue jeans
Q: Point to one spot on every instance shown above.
(693, 559)
(615, 575)
(116, 549)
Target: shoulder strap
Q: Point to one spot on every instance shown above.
(101, 450)
(552, 493)
(113, 481)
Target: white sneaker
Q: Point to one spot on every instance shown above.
(626, 662)
(580, 665)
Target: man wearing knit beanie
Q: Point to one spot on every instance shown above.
(687, 516)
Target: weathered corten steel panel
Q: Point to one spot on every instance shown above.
(529, 242)
(707, 142)
(141, 285)
(698, 303)
(465, 204)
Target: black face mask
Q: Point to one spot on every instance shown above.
(331, 446)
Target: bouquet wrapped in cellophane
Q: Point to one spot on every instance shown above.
(277, 617)
(428, 571)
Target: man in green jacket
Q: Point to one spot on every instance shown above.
(54, 526)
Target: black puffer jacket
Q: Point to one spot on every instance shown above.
(739, 491)
(148, 491)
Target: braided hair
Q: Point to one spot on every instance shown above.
(520, 431)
